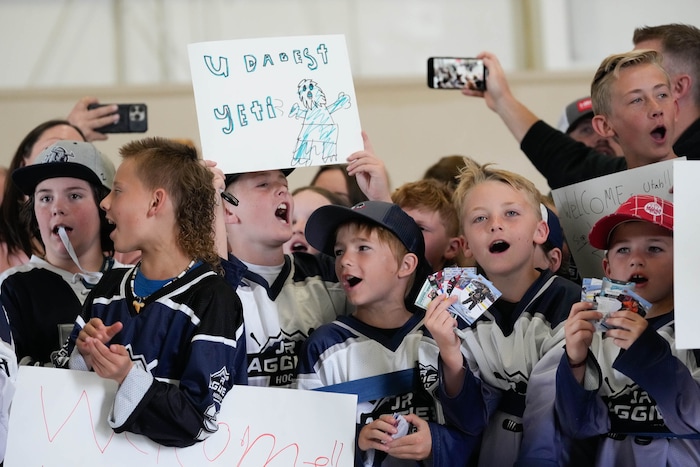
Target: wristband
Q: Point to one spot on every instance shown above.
(576, 365)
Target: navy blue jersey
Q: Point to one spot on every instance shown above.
(188, 348)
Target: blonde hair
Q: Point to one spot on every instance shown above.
(430, 195)
(474, 174)
(173, 166)
(609, 71)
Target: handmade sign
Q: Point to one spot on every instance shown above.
(275, 103)
(59, 418)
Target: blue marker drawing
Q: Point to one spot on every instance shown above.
(319, 133)
(220, 70)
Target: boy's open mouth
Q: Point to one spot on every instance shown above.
(499, 246)
(300, 247)
(66, 228)
(659, 133)
(638, 279)
(352, 280)
(281, 213)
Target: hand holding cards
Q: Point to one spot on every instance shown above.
(475, 292)
(609, 295)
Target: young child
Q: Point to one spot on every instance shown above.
(171, 317)
(631, 383)
(285, 297)
(42, 298)
(429, 203)
(306, 200)
(500, 214)
(383, 352)
(633, 105)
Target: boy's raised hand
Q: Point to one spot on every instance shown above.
(441, 325)
(630, 326)
(370, 173)
(417, 445)
(579, 331)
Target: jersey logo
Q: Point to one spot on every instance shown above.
(429, 377)
(217, 383)
(277, 359)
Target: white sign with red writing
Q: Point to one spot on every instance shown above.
(59, 417)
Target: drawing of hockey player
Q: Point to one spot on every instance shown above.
(319, 133)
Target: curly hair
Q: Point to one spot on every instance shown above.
(174, 167)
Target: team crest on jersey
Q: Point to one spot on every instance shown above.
(217, 383)
(633, 410)
(277, 359)
(429, 377)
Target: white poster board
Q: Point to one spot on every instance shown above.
(686, 254)
(580, 205)
(59, 418)
(275, 102)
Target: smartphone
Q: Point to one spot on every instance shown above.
(455, 73)
(133, 118)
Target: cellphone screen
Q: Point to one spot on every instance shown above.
(455, 73)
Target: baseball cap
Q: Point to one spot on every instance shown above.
(75, 159)
(230, 178)
(574, 113)
(638, 208)
(324, 221)
(556, 234)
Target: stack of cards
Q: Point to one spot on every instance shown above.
(609, 296)
(475, 292)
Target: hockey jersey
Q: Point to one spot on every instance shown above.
(188, 350)
(505, 344)
(40, 303)
(280, 316)
(645, 399)
(391, 372)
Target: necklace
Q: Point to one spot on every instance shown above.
(139, 302)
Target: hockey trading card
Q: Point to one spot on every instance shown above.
(441, 282)
(476, 294)
(609, 296)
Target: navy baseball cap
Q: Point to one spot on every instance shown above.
(324, 222)
(556, 234)
(230, 178)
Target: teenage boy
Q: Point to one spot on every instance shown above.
(285, 297)
(501, 219)
(631, 383)
(383, 351)
(64, 189)
(429, 203)
(633, 104)
(170, 330)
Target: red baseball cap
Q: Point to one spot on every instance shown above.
(638, 208)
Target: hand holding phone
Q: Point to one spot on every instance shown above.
(456, 73)
(133, 118)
